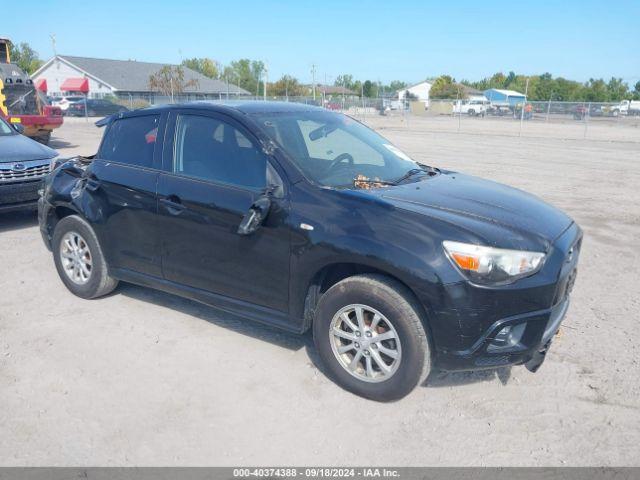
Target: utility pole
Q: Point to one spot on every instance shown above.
(53, 44)
(313, 80)
(526, 91)
(266, 79)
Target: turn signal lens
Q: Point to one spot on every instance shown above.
(492, 265)
(466, 262)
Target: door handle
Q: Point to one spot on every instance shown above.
(173, 204)
(92, 184)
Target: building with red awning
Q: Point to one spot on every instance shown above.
(74, 85)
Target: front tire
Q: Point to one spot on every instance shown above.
(369, 334)
(79, 259)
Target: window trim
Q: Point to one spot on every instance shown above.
(156, 162)
(168, 158)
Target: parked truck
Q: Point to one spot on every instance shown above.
(20, 101)
(625, 107)
(473, 107)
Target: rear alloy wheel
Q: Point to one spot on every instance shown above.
(369, 333)
(79, 259)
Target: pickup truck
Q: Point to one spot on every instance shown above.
(625, 107)
(471, 107)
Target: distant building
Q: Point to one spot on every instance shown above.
(504, 97)
(122, 78)
(420, 90)
(472, 93)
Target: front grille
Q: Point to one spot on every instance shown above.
(29, 173)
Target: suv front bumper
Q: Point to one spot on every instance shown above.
(19, 195)
(479, 327)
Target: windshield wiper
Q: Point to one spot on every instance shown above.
(369, 180)
(416, 171)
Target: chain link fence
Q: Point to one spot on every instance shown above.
(476, 115)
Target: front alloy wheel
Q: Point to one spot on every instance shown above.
(365, 343)
(369, 333)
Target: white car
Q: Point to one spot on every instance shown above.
(471, 107)
(63, 102)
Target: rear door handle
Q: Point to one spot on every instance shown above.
(173, 204)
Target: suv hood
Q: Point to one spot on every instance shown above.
(18, 148)
(471, 202)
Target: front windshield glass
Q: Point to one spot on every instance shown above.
(5, 128)
(334, 150)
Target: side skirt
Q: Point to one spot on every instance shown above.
(251, 311)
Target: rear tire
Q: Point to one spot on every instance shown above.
(390, 332)
(79, 259)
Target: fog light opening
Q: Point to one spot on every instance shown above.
(507, 338)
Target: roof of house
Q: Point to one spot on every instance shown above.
(507, 93)
(414, 85)
(133, 76)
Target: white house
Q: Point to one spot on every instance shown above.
(121, 78)
(420, 90)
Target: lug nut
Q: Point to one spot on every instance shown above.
(358, 334)
(357, 345)
(368, 334)
(366, 352)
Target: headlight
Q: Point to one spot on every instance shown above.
(57, 161)
(488, 265)
(54, 163)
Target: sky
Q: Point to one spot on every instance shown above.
(381, 41)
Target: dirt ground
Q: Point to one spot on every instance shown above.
(147, 378)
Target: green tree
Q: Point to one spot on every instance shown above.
(25, 57)
(206, 66)
(170, 80)
(636, 91)
(369, 89)
(596, 91)
(617, 89)
(396, 85)
(345, 81)
(287, 86)
(245, 73)
(446, 87)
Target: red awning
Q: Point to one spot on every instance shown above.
(75, 85)
(41, 85)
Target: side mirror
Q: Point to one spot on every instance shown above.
(18, 127)
(255, 216)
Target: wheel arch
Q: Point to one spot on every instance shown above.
(332, 273)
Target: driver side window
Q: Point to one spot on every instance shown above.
(336, 142)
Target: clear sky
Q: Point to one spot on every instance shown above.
(405, 40)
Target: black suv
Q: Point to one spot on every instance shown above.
(302, 218)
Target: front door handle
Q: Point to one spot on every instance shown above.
(173, 204)
(92, 184)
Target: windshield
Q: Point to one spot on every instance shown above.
(334, 150)
(5, 128)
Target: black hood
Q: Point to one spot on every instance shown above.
(18, 148)
(469, 202)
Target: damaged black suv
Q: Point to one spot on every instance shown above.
(301, 218)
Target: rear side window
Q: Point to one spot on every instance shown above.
(131, 141)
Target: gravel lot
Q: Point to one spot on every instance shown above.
(147, 378)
